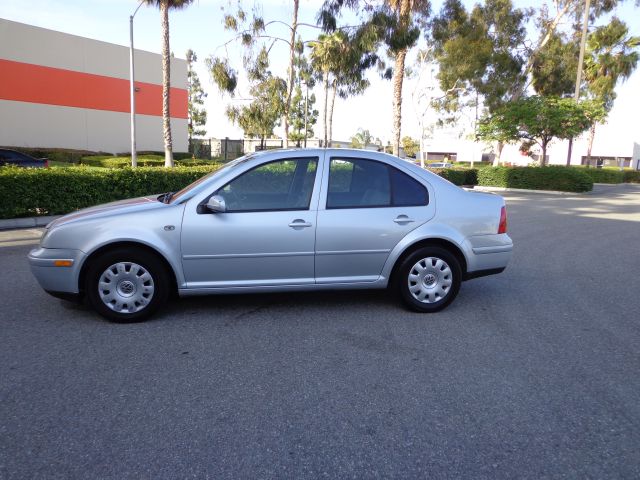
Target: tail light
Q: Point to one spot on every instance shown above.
(502, 228)
(46, 163)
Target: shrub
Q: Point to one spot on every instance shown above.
(604, 175)
(146, 160)
(565, 179)
(631, 176)
(467, 176)
(39, 191)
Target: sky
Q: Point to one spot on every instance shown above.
(199, 27)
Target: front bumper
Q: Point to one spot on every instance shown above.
(57, 270)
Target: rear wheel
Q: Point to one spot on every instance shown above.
(127, 285)
(429, 279)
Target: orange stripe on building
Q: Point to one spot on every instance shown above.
(25, 82)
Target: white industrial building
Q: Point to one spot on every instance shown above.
(64, 91)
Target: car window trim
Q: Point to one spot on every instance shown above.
(391, 191)
(200, 211)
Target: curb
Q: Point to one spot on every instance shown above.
(523, 190)
(26, 222)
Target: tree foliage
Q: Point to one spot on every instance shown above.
(410, 146)
(539, 120)
(362, 139)
(263, 114)
(396, 26)
(197, 115)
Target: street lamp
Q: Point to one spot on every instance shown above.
(132, 91)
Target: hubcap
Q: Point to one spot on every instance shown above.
(126, 287)
(430, 280)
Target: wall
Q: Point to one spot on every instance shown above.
(64, 91)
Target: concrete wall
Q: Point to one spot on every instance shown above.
(64, 91)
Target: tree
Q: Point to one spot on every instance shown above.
(611, 56)
(264, 113)
(165, 6)
(362, 139)
(396, 24)
(325, 58)
(479, 54)
(410, 146)
(248, 34)
(197, 115)
(302, 116)
(342, 58)
(489, 50)
(539, 120)
(555, 65)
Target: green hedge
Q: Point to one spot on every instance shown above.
(631, 176)
(604, 175)
(458, 176)
(145, 160)
(29, 192)
(564, 179)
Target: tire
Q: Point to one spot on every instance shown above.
(127, 285)
(429, 279)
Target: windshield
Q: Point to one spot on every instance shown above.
(178, 195)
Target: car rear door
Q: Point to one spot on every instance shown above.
(366, 208)
(267, 235)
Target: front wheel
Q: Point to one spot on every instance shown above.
(429, 279)
(127, 285)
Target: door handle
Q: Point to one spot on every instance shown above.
(403, 219)
(299, 223)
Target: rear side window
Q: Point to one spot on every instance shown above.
(406, 191)
(359, 183)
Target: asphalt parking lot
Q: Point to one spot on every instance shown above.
(533, 373)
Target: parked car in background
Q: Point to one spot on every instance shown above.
(280, 220)
(440, 165)
(18, 159)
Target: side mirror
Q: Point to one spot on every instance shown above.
(216, 204)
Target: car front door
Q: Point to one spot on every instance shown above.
(265, 237)
(368, 208)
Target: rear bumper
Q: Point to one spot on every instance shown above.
(53, 278)
(487, 254)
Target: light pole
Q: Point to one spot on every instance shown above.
(576, 96)
(132, 91)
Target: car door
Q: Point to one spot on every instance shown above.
(265, 237)
(368, 207)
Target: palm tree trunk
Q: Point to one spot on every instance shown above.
(306, 113)
(592, 135)
(324, 117)
(292, 52)
(333, 100)
(398, 77)
(166, 84)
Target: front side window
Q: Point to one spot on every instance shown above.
(359, 183)
(279, 185)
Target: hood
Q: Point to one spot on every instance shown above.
(109, 209)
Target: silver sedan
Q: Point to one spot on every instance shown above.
(287, 220)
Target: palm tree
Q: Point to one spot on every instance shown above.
(326, 54)
(362, 139)
(165, 6)
(397, 24)
(611, 56)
